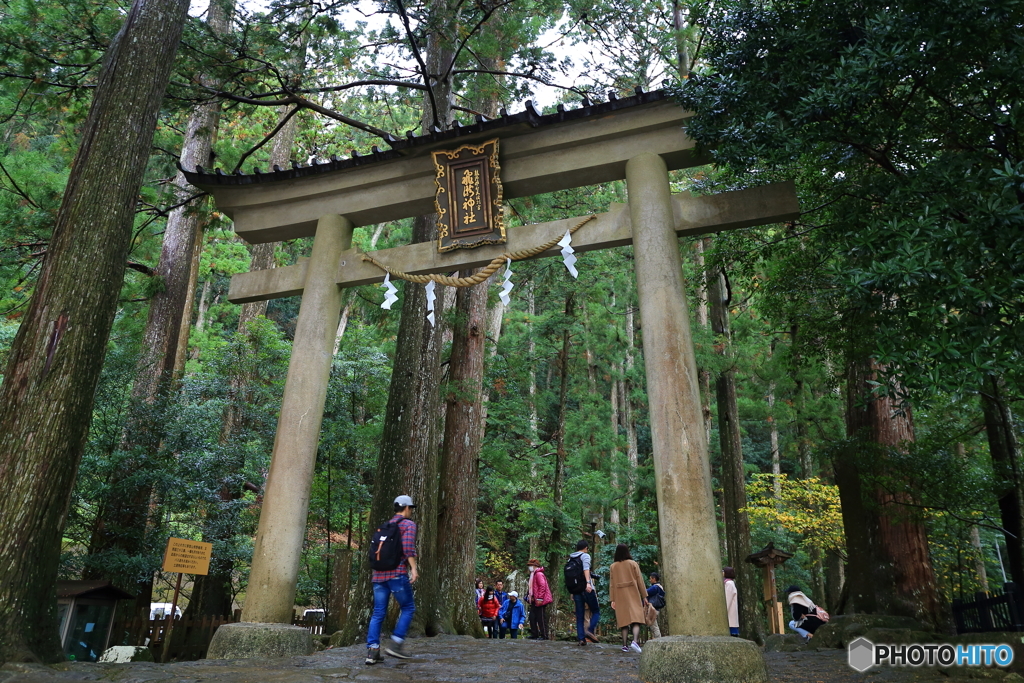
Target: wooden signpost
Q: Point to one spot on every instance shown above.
(185, 557)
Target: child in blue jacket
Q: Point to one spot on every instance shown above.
(512, 616)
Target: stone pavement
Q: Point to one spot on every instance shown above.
(457, 659)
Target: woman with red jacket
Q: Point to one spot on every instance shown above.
(538, 597)
(488, 607)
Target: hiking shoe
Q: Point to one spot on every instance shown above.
(396, 649)
(373, 656)
(592, 637)
(625, 648)
(633, 646)
(582, 643)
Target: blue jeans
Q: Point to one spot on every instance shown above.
(402, 590)
(803, 633)
(583, 600)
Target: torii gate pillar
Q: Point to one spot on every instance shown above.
(275, 564)
(682, 469)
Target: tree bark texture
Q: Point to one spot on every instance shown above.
(734, 481)
(555, 550)
(126, 517)
(463, 431)
(890, 569)
(212, 594)
(408, 460)
(1004, 450)
(47, 395)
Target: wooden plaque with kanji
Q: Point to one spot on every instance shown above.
(468, 198)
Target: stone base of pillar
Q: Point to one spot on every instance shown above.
(702, 659)
(247, 640)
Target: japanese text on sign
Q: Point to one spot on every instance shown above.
(188, 557)
(470, 195)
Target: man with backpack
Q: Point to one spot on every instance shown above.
(393, 560)
(580, 585)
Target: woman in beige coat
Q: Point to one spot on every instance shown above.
(628, 595)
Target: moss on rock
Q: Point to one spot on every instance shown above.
(251, 640)
(702, 659)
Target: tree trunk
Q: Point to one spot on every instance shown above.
(734, 481)
(531, 351)
(701, 318)
(555, 549)
(803, 439)
(212, 594)
(495, 317)
(127, 516)
(632, 445)
(408, 460)
(893, 574)
(616, 419)
(47, 395)
(773, 435)
(463, 431)
(1004, 450)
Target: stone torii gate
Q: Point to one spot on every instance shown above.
(638, 139)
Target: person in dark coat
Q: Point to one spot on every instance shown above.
(803, 611)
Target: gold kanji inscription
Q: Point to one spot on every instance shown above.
(468, 197)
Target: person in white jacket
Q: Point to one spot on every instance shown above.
(731, 601)
(804, 612)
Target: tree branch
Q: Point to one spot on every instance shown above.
(419, 59)
(18, 189)
(270, 136)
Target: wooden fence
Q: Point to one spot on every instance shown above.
(997, 612)
(313, 623)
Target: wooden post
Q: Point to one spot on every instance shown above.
(768, 559)
(166, 654)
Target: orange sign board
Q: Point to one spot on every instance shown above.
(188, 557)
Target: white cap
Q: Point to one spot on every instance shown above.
(513, 594)
(405, 502)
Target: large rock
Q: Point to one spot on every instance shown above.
(246, 640)
(702, 659)
(843, 629)
(120, 654)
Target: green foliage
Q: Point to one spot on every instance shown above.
(901, 124)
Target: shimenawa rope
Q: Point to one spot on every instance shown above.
(484, 273)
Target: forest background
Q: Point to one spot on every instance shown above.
(859, 366)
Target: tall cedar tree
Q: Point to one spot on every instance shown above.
(408, 460)
(734, 477)
(890, 569)
(124, 517)
(47, 395)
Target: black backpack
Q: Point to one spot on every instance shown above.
(575, 579)
(386, 547)
(658, 600)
